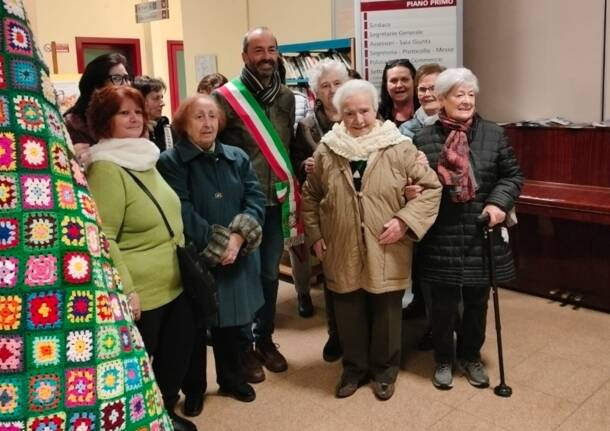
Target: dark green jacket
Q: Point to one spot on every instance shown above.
(452, 251)
(281, 114)
(213, 188)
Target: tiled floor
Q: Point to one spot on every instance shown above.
(557, 361)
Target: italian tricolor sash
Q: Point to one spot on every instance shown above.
(256, 121)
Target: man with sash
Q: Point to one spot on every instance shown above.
(260, 117)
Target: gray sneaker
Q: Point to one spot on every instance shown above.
(475, 373)
(443, 376)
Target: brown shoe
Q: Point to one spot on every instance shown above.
(251, 367)
(383, 391)
(346, 389)
(270, 356)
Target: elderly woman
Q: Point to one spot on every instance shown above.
(144, 252)
(479, 172)
(222, 209)
(324, 80)
(398, 102)
(362, 229)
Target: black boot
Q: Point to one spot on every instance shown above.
(180, 423)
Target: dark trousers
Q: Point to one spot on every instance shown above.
(168, 333)
(225, 345)
(369, 330)
(445, 320)
(329, 307)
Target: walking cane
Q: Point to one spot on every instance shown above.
(502, 390)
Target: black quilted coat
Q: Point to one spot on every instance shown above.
(452, 252)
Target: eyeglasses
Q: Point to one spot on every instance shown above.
(119, 79)
(424, 90)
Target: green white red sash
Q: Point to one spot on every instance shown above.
(257, 123)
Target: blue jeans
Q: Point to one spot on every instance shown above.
(271, 249)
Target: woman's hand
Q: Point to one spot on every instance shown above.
(422, 159)
(319, 248)
(134, 303)
(230, 254)
(496, 215)
(83, 154)
(393, 230)
(310, 165)
(412, 190)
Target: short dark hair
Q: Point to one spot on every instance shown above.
(245, 41)
(385, 101)
(181, 116)
(211, 82)
(106, 103)
(145, 84)
(427, 69)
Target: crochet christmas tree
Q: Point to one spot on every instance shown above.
(70, 355)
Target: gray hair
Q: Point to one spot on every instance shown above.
(246, 39)
(352, 87)
(448, 79)
(324, 67)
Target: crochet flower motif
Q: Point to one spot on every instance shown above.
(28, 113)
(84, 421)
(113, 416)
(93, 240)
(108, 345)
(87, 204)
(151, 400)
(125, 339)
(17, 36)
(65, 195)
(44, 310)
(5, 119)
(77, 268)
(52, 422)
(80, 387)
(53, 121)
(40, 231)
(108, 275)
(133, 380)
(110, 380)
(11, 353)
(79, 346)
(41, 270)
(37, 191)
(60, 163)
(33, 153)
(136, 338)
(116, 308)
(78, 174)
(97, 274)
(45, 392)
(80, 306)
(11, 398)
(45, 351)
(8, 156)
(10, 312)
(9, 233)
(9, 197)
(104, 311)
(14, 7)
(25, 75)
(2, 86)
(48, 90)
(136, 408)
(145, 368)
(9, 272)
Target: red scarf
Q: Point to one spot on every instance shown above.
(454, 168)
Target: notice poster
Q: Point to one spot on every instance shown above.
(422, 31)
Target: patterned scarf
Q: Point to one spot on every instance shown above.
(265, 95)
(454, 168)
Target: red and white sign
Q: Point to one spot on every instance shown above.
(422, 31)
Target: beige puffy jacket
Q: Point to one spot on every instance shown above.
(351, 222)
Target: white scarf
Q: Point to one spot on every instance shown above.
(138, 154)
(424, 118)
(382, 135)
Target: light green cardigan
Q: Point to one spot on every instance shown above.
(140, 245)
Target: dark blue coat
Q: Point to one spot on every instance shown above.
(213, 188)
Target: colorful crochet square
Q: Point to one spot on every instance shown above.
(9, 233)
(145, 368)
(97, 274)
(9, 198)
(54, 123)
(45, 350)
(126, 312)
(79, 306)
(151, 401)
(28, 113)
(79, 346)
(88, 205)
(65, 195)
(17, 37)
(48, 90)
(84, 421)
(108, 275)
(41, 270)
(108, 343)
(136, 338)
(10, 312)
(115, 304)
(80, 387)
(14, 7)
(45, 392)
(125, 339)
(110, 379)
(103, 309)
(116, 277)
(93, 239)
(37, 192)
(9, 271)
(11, 398)
(8, 152)
(77, 173)
(73, 231)
(59, 160)
(12, 426)
(113, 415)
(25, 75)
(77, 267)
(5, 117)
(44, 310)
(105, 245)
(40, 231)
(2, 74)
(133, 379)
(11, 353)
(137, 409)
(33, 153)
(51, 422)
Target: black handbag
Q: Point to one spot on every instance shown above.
(197, 280)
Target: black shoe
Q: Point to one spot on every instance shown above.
(243, 392)
(193, 405)
(332, 350)
(383, 391)
(305, 305)
(181, 424)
